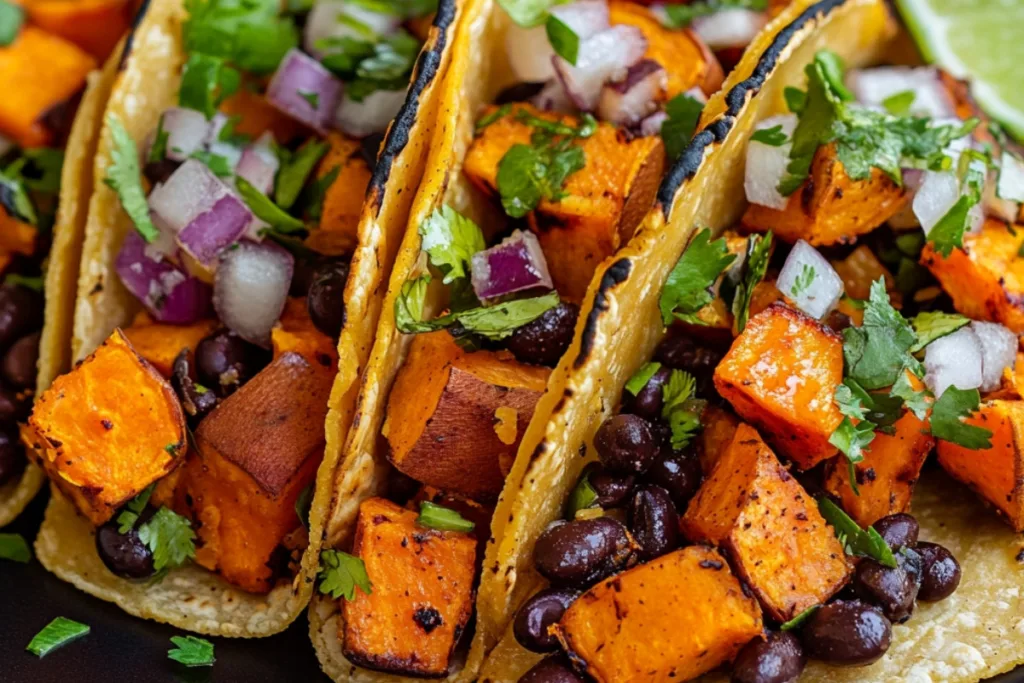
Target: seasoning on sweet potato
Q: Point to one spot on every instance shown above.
(860, 269)
(718, 426)
(443, 412)
(830, 207)
(335, 234)
(603, 204)
(985, 279)
(996, 474)
(674, 618)
(254, 454)
(296, 332)
(780, 375)
(422, 593)
(38, 72)
(160, 343)
(93, 25)
(108, 429)
(769, 527)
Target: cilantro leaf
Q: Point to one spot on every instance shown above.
(796, 99)
(687, 289)
(948, 414)
(501, 320)
(948, 233)
(849, 401)
(219, 165)
(851, 439)
(266, 210)
(125, 177)
(312, 98)
(878, 351)
(641, 377)
(900, 103)
(759, 251)
(680, 15)
(158, 150)
(774, 136)
(340, 574)
(57, 633)
(799, 620)
(130, 512)
(191, 651)
(583, 495)
(15, 548)
(804, 279)
(169, 537)
(250, 34)
(918, 401)
(295, 170)
(439, 517)
(11, 19)
(679, 408)
(932, 325)
(487, 119)
(814, 128)
(206, 81)
(856, 541)
(409, 306)
(563, 39)
(683, 112)
(527, 12)
(35, 283)
(450, 240)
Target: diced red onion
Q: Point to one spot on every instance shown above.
(322, 22)
(652, 124)
(600, 59)
(214, 145)
(251, 288)
(168, 293)
(873, 86)
(514, 265)
(552, 97)
(729, 28)
(186, 130)
(998, 352)
(820, 285)
(258, 163)
(953, 360)
(766, 165)
(373, 115)
(298, 80)
(628, 101)
(1011, 178)
(213, 231)
(529, 50)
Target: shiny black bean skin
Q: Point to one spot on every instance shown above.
(545, 340)
(679, 473)
(12, 408)
(225, 361)
(552, 669)
(326, 299)
(898, 530)
(581, 552)
(891, 589)
(654, 522)
(625, 444)
(683, 353)
(21, 312)
(12, 455)
(940, 574)
(19, 363)
(777, 658)
(612, 489)
(648, 401)
(542, 610)
(196, 401)
(847, 633)
(125, 555)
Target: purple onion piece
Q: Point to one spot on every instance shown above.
(168, 293)
(187, 131)
(251, 288)
(258, 164)
(303, 89)
(636, 96)
(514, 265)
(213, 231)
(600, 58)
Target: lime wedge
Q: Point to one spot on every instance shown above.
(980, 40)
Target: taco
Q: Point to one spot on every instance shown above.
(256, 183)
(758, 382)
(55, 72)
(556, 129)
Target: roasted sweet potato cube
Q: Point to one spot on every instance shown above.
(860, 269)
(886, 476)
(985, 279)
(455, 419)
(108, 429)
(255, 452)
(422, 593)
(673, 618)
(38, 72)
(603, 204)
(769, 527)
(296, 332)
(718, 426)
(16, 235)
(830, 207)
(996, 474)
(160, 343)
(343, 199)
(93, 25)
(255, 115)
(780, 375)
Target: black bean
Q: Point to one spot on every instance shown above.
(19, 363)
(580, 552)
(683, 353)
(777, 658)
(648, 401)
(157, 172)
(195, 399)
(12, 455)
(518, 92)
(898, 530)
(125, 555)
(545, 340)
(306, 266)
(12, 408)
(225, 361)
(679, 473)
(21, 311)
(326, 300)
(892, 589)
(542, 610)
(940, 573)
(625, 444)
(654, 522)
(612, 489)
(847, 633)
(552, 669)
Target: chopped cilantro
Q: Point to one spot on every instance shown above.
(683, 113)
(804, 279)
(583, 496)
(312, 98)
(303, 504)
(641, 377)
(948, 233)
(501, 320)
(851, 439)
(205, 82)
(499, 113)
(158, 150)
(856, 541)
(688, 287)
(679, 408)
(169, 537)
(680, 15)
(125, 177)
(314, 195)
(15, 548)
(294, 171)
(759, 251)
(450, 240)
(266, 210)
(57, 633)
(932, 325)
(409, 306)
(878, 351)
(33, 282)
(15, 199)
(219, 165)
(371, 64)
(340, 574)
(129, 514)
(773, 136)
(251, 35)
(918, 401)
(191, 651)
(899, 103)
(796, 99)
(38, 169)
(947, 422)
(527, 12)
(439, 517)
(799, 620)
(563, 39)
(11, 19)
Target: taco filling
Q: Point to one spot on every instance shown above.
(750, 503)
(246, 199)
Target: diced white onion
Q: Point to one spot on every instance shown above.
(873, 86)
(628, 101)
(939, 191)
(373, 115)
(191, 190)
(601, 58)
(186, 131)
(729, 28)
(998, 352)
(1011, 178)
(995, 206)
(530, 53)
(954, 360)
(251, 288)
(810, 281)
(322, 22)
(305, 90)
(766, 165)
(552, 97)
(258, 163)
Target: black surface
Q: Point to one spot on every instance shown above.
(121, 648)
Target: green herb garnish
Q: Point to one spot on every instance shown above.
(800, 619)
(169, 537)
(583, 496)
(294, 171)
(948, 415)
(439, 517)
(125, 177)
(683, 112)
(191, 651)
(688, 287)
(563, 39)
(57, 633)
(340, 574)
(266, 210)
(15, 548)
(11, 19)
(856, 541)
(774, 136)
(641, 377)
(759, 251)
(206, 82)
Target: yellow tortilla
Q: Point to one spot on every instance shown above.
(190, 597)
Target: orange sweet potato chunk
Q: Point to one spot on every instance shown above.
(780, 375)
(160, 343)
(93, 25)
(38, 72)
(673, 618)
(296, 332)
(16, 235)
(108, 429)
(603, 204)
(985, 279)
(718, 426)
(256, 116)
(449, 413)
(830, 207)
(255, 452)
(343, 200)
(860, 269)
(422, 593)
(769, 527)
(996, 474)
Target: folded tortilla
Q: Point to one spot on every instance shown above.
(191, 597)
